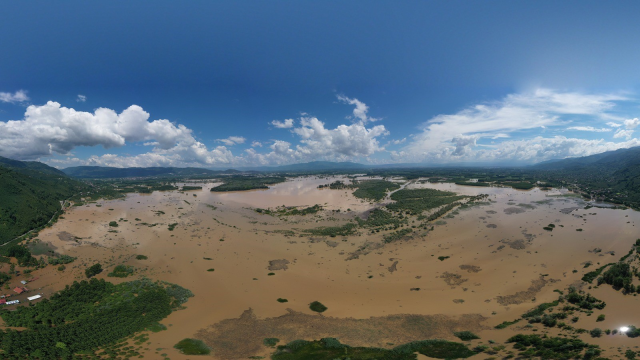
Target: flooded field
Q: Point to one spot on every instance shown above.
(476, 268)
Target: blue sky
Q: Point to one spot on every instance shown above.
(201, 84)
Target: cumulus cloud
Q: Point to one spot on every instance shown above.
(558, 147)
(360, 111)
(81, 98)
(317, 142)
(449, 137)
(463, 144)
(620, 133)
(16, 97)
(232, 140)
(53, 129)
(286, 124)
(631, 123)
(353, 140)
(588, 128)
(398, 142)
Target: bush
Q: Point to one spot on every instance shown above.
(141, 257)
(317, 307)
(121, 271)
(600, 317)
(597, 332)
(466, 335)
(113, 224)
(93, 270)
(270, 342)
(192, 347)
(62, 259)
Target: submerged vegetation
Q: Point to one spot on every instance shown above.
(553, 347)
(379, 218)
(192, 347)
(242, 183)
(374, 190)
(416, 201)
(121, 271)
(331, 348)
(317, 307)
(290, 210)
(333, 231)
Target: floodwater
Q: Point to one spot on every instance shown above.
(302, 191)
(501, 262)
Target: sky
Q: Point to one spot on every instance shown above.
(260, 83)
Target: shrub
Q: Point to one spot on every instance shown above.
(93, 270)
(597, 332)
(317, 307)
(466, 335)
(113, 224)
(270, 342)
(192, 347)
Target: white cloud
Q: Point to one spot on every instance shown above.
(463, 144)
(345, 142)
(52, 129)
(18, 96)
(286, 124)
(353, 140)
(361, 110)
(588, 128)
(631, 123)
(398, 142)
(81, 98)
(612, 124)
(232, 140)
(454, 136)
(623, 134)
(558, 147)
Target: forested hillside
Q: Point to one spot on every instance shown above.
(30, 194)
(613, 176)
(29, 167)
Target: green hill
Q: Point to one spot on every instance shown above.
(612, 176)
(29, 167)
(31, 194)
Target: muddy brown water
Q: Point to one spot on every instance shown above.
(507, 261)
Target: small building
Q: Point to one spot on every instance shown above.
(3, 301)
(24, 282)
(34, 297)
(18, 290)
(13, 302)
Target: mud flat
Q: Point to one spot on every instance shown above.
(461, 275)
